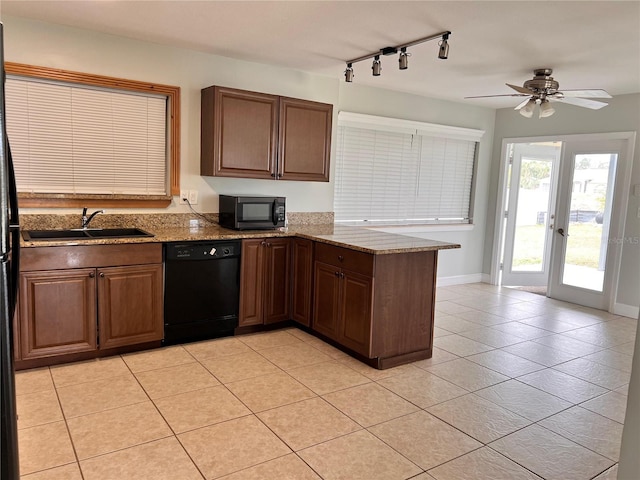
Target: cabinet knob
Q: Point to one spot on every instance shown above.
(340, 257)
(268, 244)
(342, 275)
(337, 274)
(92, 275)
(101, 275)
(263, 243)
(273, 174)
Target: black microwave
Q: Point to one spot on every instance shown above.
(255, 212)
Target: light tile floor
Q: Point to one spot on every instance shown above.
(519, 387)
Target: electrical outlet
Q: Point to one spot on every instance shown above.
(193, 197)
(184, 195)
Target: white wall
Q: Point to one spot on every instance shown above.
(38, 43)
(621, 115)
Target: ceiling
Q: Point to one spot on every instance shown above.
(589, 44)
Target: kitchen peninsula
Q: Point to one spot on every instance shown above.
(369, 293)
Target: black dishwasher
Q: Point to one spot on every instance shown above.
(201, 290)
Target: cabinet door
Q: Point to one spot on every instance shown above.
(302, 276)
(277, 280)
(251, 282)
(305, 140)
(130, 305)
(57, 312)
(356, 307)
(239, 133)
(326, 308)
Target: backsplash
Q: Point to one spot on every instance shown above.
(149, 220)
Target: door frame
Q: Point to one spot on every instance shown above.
(620, 200)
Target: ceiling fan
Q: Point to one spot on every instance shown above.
(543, 89)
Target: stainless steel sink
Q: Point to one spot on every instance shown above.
(79, 234)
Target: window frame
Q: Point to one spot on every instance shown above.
(65, 200)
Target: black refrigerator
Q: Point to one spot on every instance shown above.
(9, 260)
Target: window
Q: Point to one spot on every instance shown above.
(391, 171)
(81, 139)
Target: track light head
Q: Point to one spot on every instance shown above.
(403, 59)
(443, 53)
(348, 73)
(377, 66)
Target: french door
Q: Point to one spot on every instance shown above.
(530, 213)
(585, 217)
(565, 203)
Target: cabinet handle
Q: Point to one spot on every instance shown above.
(263, 243)
(273, 175)
(342, 275)
(101, 275)
(268, 244)
(92, 275)
(337, 274)
(340, 257)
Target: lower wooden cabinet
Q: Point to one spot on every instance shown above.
(129, 305)
(301, 280)
(72, 310)
(58, 312)
(342, 300)
(380, 306)
(265, 281)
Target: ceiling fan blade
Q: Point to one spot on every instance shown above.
(581, 102)
(506, 95)
(586, 93)
(519, 89)
(520, 105)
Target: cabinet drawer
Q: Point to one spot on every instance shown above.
(345, 258)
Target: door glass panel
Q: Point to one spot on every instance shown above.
(531, 217)
(589, 217)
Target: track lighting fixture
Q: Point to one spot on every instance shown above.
(403, 58)
(377, 66)
(443, 53)
(348, 73)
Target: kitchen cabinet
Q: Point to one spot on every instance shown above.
(256, 135)
(379, 306)
(265, 281)
(343, 296)
(87, 298)
(302, 280)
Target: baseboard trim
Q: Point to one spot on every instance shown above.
(460, 279)
(626, 310)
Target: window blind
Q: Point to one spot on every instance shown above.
(389, 171)
(66, 138)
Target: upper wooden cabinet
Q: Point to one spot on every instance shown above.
(257, 135)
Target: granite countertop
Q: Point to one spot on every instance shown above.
(356, 238)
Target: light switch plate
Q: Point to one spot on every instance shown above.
(193, 197)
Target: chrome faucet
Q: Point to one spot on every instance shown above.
(86, 220)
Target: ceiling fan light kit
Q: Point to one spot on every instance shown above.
(403, 60)
(543, 89)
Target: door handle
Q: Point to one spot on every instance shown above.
(561, 232)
